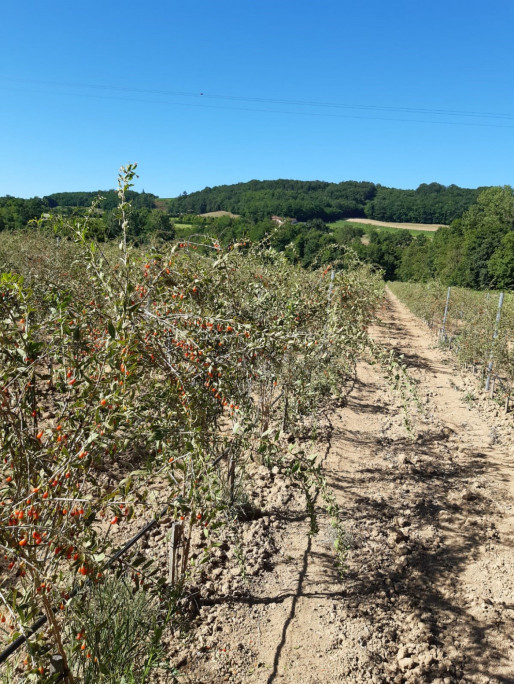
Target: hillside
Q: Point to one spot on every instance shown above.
(258, 200)
(476, 250)
(305, 200)
(205, 437)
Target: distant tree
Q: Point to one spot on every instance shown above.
(160, 224)
(501, 263)
(463, 253)
(317, 224)
(348, 233)
(416, 262)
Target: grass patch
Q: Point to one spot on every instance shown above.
(116, 634)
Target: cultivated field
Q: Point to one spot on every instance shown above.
(431, 227)
(144, 386)
(220, 467)
(216, 214)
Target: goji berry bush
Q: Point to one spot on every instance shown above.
(121, 368)
(470, 324)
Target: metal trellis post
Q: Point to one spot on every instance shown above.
(495, 335)
(443, 329)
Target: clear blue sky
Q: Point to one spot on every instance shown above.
(389, 92)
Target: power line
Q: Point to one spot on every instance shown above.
(271, 111)
(272, 101)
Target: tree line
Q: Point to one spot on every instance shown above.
(259, 200)
(476, 250)
(145, 217)
(307, 200)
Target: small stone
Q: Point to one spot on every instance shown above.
(397, 537)
(405, 664)
(403, 652)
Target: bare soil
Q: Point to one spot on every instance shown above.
(428, 592)
(407, 226)
(221, 213)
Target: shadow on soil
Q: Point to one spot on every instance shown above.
(428, 482)
(425, 581)
(412, 574)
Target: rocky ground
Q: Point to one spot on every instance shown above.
(428, 592)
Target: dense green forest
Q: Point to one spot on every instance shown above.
(306, 200)
(476, 250)
(108, 202)
(145, 219)
(259, 200)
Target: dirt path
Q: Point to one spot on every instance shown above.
(428, 595)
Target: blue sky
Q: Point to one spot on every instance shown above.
(204, 93)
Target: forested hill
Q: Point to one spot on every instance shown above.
(476, 250)
(259, 200)
(306, 200)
